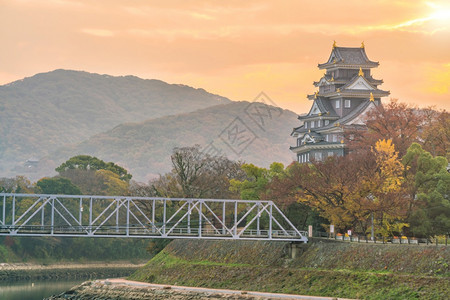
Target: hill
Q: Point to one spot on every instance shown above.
(252, 132)
(47, 111)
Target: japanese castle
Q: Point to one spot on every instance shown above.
(345, 93)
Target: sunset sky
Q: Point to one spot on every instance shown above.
(233, 48)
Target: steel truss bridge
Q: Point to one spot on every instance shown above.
(143, 217)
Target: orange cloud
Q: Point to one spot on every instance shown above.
(98, 32)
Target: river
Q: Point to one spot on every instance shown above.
(35, 289)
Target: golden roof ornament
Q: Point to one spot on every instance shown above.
(338, 90)
(362, 44)
(334, 44)
(315, 94)
(332, 78)
(371, 97)
(360, 73)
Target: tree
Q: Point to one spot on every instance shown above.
(194, 175)
(111, 183)
(333, 188)
(429, 192)
(94, 176)
(86, 180)
(436, 135)
(19, 184)
(90, 163)
(387, 194)
(200, 175)
(188, 165)
(399, 122)
(101, 182)
(57, 185)
(256, 181)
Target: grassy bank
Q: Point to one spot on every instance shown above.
(326, 269)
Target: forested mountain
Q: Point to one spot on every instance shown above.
(47, 111)
(144, 148)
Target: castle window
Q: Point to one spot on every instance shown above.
(338, 103)
(327, 122)
(306, 124)
(318, 156)
(326, 137)
(318, 123)
(312, 124)
(330, 153)
(334, 138)
(347, 103)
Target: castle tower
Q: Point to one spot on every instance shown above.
(345, 93)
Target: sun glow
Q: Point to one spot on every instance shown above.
(441, 13)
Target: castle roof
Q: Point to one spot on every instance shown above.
(349, 119)
(348, 57)
(320, 107)
(319, 145)
(327, 79)
(352, 93)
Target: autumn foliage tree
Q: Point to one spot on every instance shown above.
(386, 190)
(403, 124)
(436, 135)
(347, 190)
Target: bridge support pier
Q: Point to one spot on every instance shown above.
(295, 249)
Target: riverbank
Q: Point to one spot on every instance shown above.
(125, 289)
(333, 269)
(28, 271)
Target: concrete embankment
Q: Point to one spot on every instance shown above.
(23, 271)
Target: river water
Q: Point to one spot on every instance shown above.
(35, 289)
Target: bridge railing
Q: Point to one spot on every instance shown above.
(118, 216)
